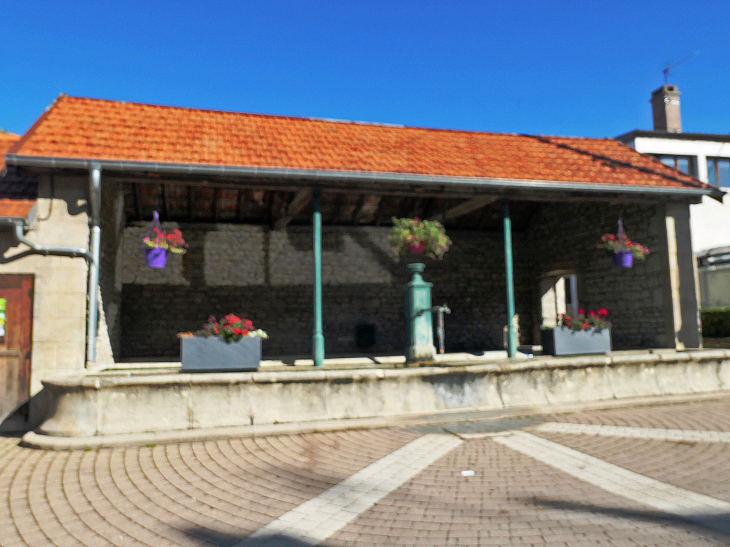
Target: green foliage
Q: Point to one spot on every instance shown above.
(413, 235)
(715, 322)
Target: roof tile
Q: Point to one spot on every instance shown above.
(107, 130)
(16, 208)
(6, 141)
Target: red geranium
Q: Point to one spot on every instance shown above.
(230, 329)
(584, 321)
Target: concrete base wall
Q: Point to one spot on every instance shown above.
(110, 405)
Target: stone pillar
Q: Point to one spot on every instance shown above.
(419, 324)
(683, 314)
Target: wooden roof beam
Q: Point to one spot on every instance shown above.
(464, 208)
(366, 209)
(296, 206)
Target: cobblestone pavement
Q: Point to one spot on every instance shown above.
(220, 492)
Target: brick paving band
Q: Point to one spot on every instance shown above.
(704, 510)
(678, 435)
(319, 518)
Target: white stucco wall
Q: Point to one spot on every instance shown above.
(710, 220)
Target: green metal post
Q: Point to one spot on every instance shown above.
(511, 333)
(317, 337)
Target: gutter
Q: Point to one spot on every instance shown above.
(355, 176)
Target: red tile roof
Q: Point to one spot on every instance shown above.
(6, 141)
(108, 130)
(16, 208)
(13, 208)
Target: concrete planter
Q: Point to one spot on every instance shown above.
(564, 341)
(213, 354)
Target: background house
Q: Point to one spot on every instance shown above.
(707, 158)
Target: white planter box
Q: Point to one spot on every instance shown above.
(564, 341)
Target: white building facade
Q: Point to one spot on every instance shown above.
(707, 158)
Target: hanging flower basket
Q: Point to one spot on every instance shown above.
(623, 250)
(416, 236)
(158, 243)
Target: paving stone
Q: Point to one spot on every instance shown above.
(218, 492)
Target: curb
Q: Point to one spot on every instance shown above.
(47, 442)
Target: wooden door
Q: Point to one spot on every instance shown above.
(16, 324)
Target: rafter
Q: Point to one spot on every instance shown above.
(239, 203)
(465, 208)
(214, 206)
(165, 201)
(367, 209)
(137, 201)
(296, 206)
(191, 198)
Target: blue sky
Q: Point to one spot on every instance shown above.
(579, 68)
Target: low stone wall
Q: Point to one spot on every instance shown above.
(86, 406)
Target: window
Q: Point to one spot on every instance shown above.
(718, 172)
(685, 164)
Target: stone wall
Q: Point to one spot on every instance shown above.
(637, 298)
(267, 276)
(110, 271)
(59, 304)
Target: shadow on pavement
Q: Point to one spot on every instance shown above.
(220, 539)
(718, 522)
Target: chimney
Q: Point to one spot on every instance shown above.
(665, 109)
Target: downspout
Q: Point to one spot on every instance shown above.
(19, 229)
(94, 247)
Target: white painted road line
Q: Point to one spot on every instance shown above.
(322, 516)
(637, 432)
(704, 510)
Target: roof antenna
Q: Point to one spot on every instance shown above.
(669, 66)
